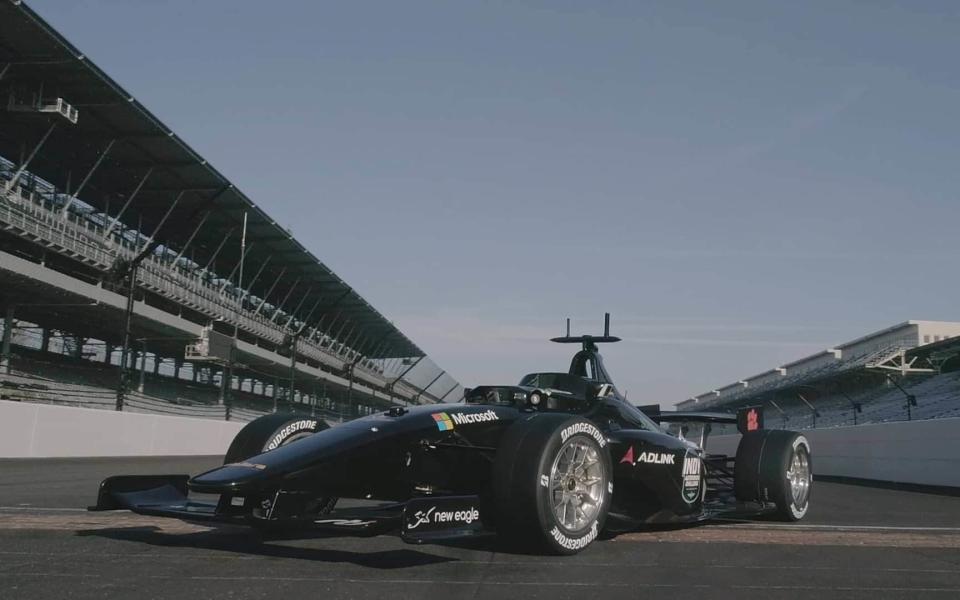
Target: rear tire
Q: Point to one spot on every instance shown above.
(552, 481)
(270, 432)
(775, 466)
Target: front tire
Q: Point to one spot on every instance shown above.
(270, 432)
(552, 482)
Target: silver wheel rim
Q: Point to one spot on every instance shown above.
(297, 436)
(577, 484)
(798, 476)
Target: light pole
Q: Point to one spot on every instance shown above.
(130, 271)
(127, 269)
(293, 368)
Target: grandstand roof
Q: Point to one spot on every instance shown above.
(938, 340)
(35, 59)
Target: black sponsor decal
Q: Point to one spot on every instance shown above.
(444, 513)
(692, 470)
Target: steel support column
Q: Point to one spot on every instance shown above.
(344, 345)
(243, 290)
(294, 312)
(816, 413)
(83, 183)
(222, 394)
(447, 393)
(276, 392)
(229, 278)
(136, 190)
(279, 306)
(192, 235)
(127, 318)
(166, 216)
(23, 167)
(399, 377)
(8, 324)
(143, 365)
(416, 398)
(303, 324)
(911, 399)
(270, 291)
(219, 248)
(226, 391)
(293, 368)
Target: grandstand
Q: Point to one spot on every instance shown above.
(110, 221)
(909, 371)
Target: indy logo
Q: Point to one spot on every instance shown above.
(691, 478)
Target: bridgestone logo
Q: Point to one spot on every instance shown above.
(574, 543)
(587, 428)
(306, 425)
(467, 418)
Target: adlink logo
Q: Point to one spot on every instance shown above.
(657, 458)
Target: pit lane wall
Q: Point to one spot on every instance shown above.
(41, 430)
(916, 452)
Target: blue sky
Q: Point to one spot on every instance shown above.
(739, 183)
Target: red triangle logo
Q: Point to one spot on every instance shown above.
(628, 457)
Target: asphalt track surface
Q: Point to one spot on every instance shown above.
(857, 542)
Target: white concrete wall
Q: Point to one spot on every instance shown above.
(923, 452)
(41, 430)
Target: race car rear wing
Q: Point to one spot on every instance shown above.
(747, 419)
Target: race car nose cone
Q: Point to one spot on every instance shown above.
(227, 476)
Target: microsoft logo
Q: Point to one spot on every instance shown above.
(443, 421)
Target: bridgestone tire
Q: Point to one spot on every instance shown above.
(525, 489)
(273, 431)
(764, 464)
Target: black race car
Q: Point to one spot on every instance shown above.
(549, 463)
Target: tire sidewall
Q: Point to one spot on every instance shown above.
(295, 428)
(268, 433)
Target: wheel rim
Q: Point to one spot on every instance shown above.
(295, 437)
(577, 484)
(798, 476)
